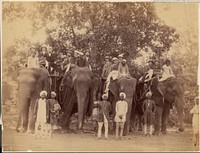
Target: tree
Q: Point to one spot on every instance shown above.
(102, 28)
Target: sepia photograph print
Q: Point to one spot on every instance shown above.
(100, 76)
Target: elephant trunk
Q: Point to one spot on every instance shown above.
(23, 107)
(128, 115)
(82, 104)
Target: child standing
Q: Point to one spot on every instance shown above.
(120, 117)
(41, 114)
(54, 109)
(103, 116)
(149, 109)
(195, 121)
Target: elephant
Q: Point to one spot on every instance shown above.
(31, 82)
(164, 94)
(127, 85)
(81, 86)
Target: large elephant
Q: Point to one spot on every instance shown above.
(31, 82)
(128, 86)
(81, 86)
(164, 94)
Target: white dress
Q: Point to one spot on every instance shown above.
(33, 62)
(195, 119)
(167, 72)
(41, 112)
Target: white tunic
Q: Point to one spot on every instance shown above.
(33, 62)
(121, 110)
(41, 112)
(167, 72)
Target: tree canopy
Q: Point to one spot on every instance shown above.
(102, 28)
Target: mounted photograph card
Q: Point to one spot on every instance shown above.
(100, 76)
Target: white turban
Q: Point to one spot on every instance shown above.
(53, 94)
(104, 96)
(43, 93)
(149, 94)
(122, 94)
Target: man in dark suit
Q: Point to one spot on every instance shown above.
(51, 58)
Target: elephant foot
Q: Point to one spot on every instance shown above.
(181, 129)
(79, 132)
(30, 132)
(125, 133)
(17, 130)
(23, 131)
(164, 132)
(156, 133)
(140, 129)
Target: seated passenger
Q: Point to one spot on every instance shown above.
(149, 74)
(42, 56)
(167, 71)
(113, 73)
(123, 69)
(33, 61)
(106, 69)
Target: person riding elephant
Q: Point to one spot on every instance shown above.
(82, 85)
(113, 73)
(164, 94)
(123, 68)
(126, 85)
(31, 82)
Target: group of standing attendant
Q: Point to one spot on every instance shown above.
(104, 108)
(46, 112)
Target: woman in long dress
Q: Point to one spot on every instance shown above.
(195, 121)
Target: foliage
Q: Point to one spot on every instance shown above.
(101, 28)
(104, 29)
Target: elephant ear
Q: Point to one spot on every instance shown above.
(113, 87)
(95, 81)
(170, 88)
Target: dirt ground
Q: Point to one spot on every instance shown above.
(13, 141)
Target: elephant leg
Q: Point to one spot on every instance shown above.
(179, 107)
(32, 118)
(140, 122)
(18, 122)
(25, 120)
(158, 115)
(133, 122)
(67, 115)
(165, 116)
(126, 126)
(32, 124)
